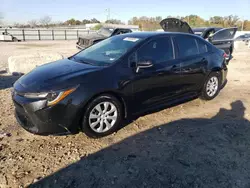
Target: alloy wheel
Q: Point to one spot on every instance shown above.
(103, 117)
(212, 86)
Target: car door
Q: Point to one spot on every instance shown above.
(224, 38)
(155, 85)
(193, 60)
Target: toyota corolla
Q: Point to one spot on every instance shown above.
(97, 88)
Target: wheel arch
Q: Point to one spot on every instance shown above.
(117, 95)
(112, 93)
(214, 69)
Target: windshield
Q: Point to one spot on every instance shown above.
(107, 51)
(105, 31)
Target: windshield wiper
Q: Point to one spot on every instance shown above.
(81, 61)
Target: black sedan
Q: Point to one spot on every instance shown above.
(97, 88)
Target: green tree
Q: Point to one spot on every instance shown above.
(113, 21)
(94, 20)
(97, 27)
(78, 22)
(85, 21)
(246, 25)
(218, 20)
(72, 21)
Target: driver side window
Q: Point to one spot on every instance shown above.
(158, 51)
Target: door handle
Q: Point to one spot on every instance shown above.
(176, 68)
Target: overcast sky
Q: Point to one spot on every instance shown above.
(61, 10)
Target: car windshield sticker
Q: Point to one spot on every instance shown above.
(131, 39)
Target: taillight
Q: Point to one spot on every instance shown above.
(225, 55)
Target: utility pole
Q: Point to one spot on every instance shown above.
(242, 26)
(108, 13)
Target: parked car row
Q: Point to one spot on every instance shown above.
(222, 38)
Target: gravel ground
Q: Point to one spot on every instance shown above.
(195, 144)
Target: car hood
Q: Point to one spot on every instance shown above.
(53, 75)
(91, 36)
(175, 25)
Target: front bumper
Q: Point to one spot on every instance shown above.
(36, 118)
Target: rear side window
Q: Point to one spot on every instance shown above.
(202, 46)
(187, 46)
(159, 50)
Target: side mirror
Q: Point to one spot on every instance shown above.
(210, 38)
(144, 64)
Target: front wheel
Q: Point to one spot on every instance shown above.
(102, 117)
(211, 87)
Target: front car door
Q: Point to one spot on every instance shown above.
(192, 53)
(157, 84)
(224, 39)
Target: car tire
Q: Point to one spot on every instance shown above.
(211, 87)
(15, 39)
(98, 121)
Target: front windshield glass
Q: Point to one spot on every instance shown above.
(107, 51)
(105, 31)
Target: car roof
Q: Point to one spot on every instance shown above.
(115, 28)
(153, 34)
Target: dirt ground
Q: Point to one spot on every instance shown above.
(195, 144)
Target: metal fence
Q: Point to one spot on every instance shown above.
(45, 34)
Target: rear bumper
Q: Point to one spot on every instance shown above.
(228, 57)
(224, 76)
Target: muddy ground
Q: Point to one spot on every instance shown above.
(194, 144)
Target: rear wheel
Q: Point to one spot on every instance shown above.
(211, 87)
(102, 116)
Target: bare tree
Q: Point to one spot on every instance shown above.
(1, 17)
(33, 23)
(45, 21)
(231, 20)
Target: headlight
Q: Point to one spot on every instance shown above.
(52, 97)
(35, 95)
(55, 97)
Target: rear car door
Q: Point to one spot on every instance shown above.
(155, 85)
(192, 53)
(223, 39)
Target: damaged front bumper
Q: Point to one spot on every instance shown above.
(35, 117)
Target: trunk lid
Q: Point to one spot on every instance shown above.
(175, 25)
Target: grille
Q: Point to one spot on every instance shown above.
(83, 42)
